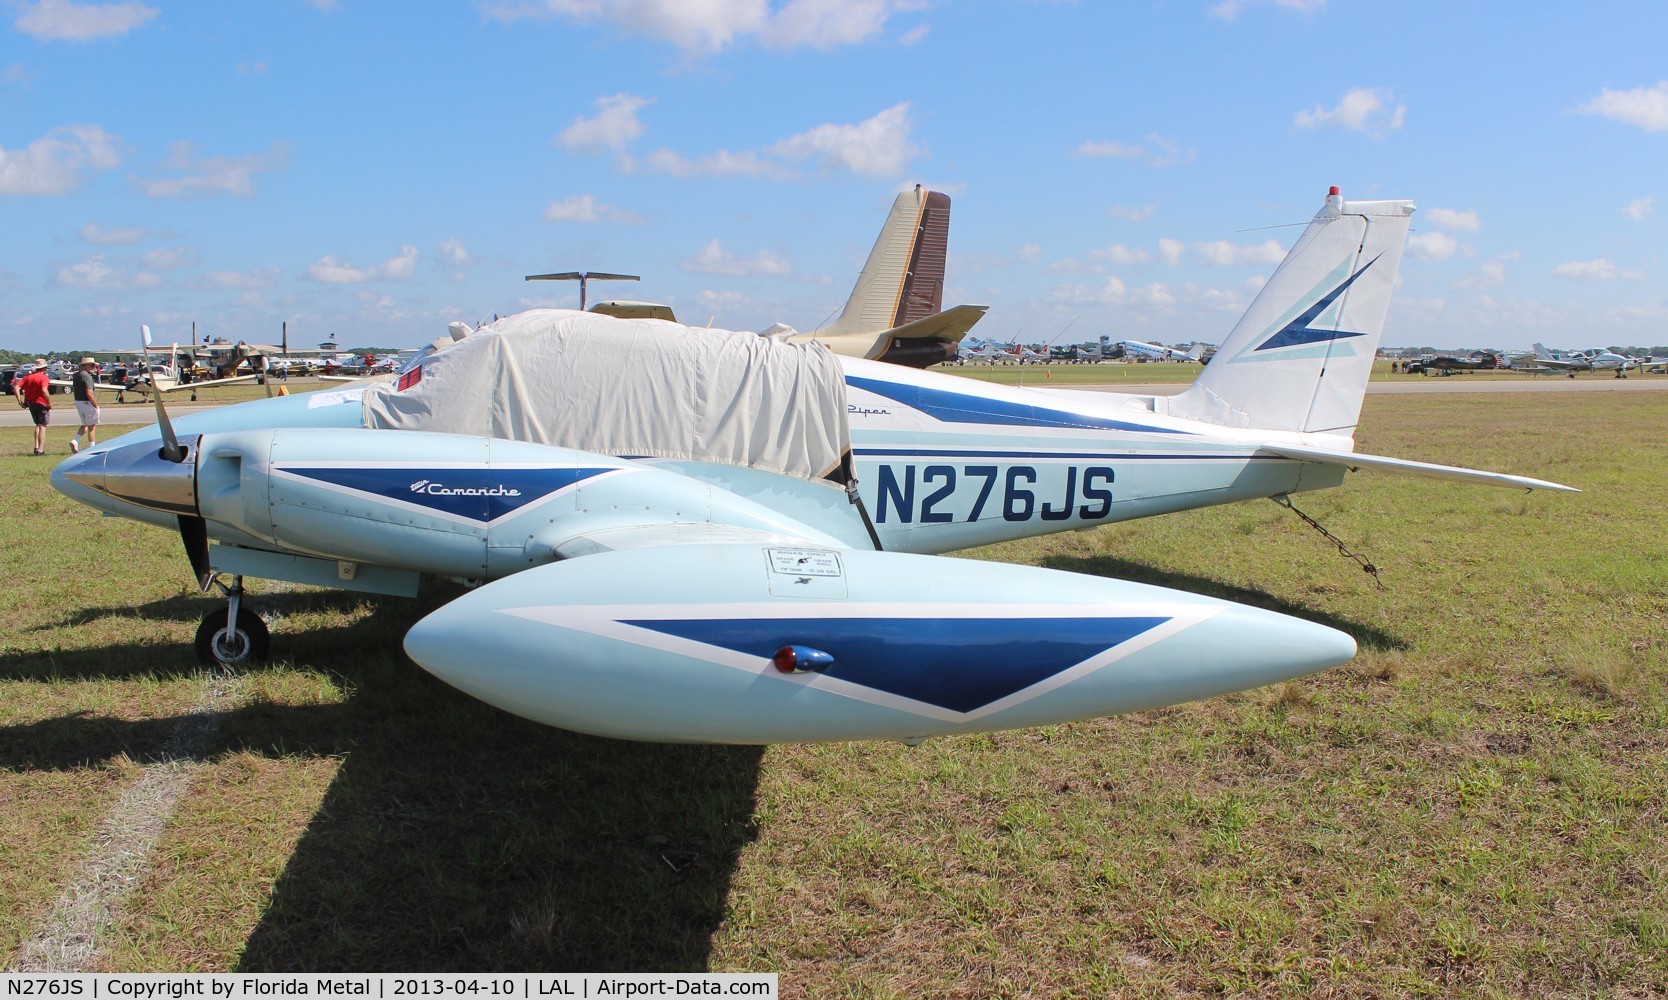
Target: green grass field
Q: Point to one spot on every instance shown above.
(1475, 806)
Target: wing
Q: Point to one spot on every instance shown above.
(206, 384)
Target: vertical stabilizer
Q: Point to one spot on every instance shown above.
(903, 280)
(1299, 358)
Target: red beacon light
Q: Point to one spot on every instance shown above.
(1333, 191)
(793, 659)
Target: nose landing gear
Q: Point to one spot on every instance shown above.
(233, 635)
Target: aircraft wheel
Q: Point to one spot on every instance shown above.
(249, 642)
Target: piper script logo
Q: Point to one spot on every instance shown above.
(434, 489)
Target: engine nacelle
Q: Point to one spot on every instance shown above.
(445, 504)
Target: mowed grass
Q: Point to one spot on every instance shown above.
(1473, 807)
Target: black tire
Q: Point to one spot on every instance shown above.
(248, 643)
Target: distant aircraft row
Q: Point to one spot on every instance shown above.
(1540, 361)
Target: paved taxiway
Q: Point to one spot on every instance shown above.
(63, 415)
(1448, 384)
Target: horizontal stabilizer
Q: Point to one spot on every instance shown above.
(952, 324)
(1426, 470)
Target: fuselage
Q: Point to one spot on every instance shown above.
(943, 462)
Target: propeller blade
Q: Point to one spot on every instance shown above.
(171, 449)
(194, 533)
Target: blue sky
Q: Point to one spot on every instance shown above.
(377, 169)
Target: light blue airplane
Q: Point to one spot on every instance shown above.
(679, 534)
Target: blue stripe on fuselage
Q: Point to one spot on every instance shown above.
(961, 664)
(961, 408)
(479, 493)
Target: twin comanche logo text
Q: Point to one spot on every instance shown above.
(435, 489)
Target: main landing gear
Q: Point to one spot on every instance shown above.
(233, 635)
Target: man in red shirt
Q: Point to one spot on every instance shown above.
(32, 392)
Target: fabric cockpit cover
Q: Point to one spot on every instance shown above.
(631, 388)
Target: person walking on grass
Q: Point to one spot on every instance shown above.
(31, 392)
(86, 404)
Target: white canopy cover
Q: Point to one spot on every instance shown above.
(631, 387)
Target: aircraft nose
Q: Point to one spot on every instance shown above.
(135, 473)
(79, 473)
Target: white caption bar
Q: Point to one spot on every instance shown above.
(517, 986)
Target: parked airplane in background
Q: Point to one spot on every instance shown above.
(1546, 360)
(1025, 356)
(161, 379)
(1158, 352)
(977, 353)
(895, 311)
(720, 540)
(1446, 364)
(1610, 361)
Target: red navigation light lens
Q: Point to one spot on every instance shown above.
(1333, 191)
(786, 660)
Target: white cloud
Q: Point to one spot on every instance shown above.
(723, 302)
(614, 128)
(54, 163)
(1153, 296)
(876, 146)
(332, 270)
(453, 252)
(205, 177)
(1223, 300)
(1227, 10)
(714, 259)
(1116, 150)
(1646, 107)
(699, 27)
(1640, 209)
(1431, 246)
(915, 35)
(1221, 253)
(96, 274)
(252, 279)
(1448, 218)
(1367, 110)
(256, 68)
(1653, 311)
(115, 236)
(826, 24)
(1117, 253)
(1111, 292)
(721, 163)
(1157, 150)
(90, 273)
(1493, 271)
(1114, 291)
(1595, 270)
(65, 21)
(168, 258)
(584, 208)
(1133, 213)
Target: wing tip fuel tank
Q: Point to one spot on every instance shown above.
(606, 644)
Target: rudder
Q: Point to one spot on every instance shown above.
(1300, 357)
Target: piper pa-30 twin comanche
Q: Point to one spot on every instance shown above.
(695, 535)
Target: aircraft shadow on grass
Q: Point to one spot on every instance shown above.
(455, 836)
(1366, 636)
